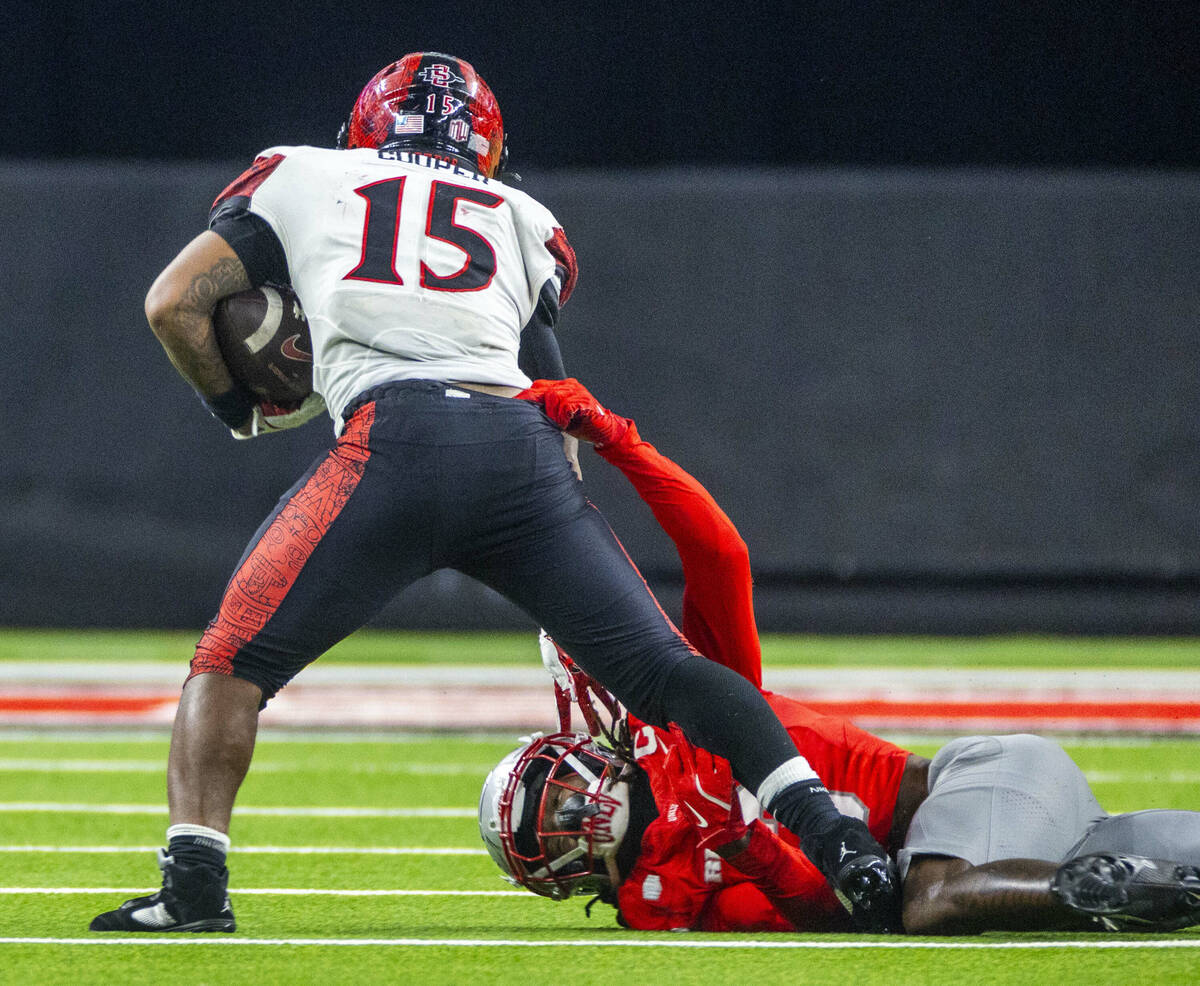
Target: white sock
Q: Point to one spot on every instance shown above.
(787, 773)
(200, 835)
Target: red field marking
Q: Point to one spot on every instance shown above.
(87, 703)
(464, 706)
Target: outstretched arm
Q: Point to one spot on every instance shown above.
(718, 606)
(718, 603)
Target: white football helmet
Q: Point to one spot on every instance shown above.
(553, 813)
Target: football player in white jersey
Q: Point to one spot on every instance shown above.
(432, 290)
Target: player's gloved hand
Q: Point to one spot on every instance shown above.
(574, 686)
(704, 787)
(570, 405)
(268, 418)
(554, 661)
(860, 872)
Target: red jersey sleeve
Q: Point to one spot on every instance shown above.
(245, 185)
(785, 881)
(718, 606)
(251, 237)
(742, 907)
(566, 267)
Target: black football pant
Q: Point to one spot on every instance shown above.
(427, 476)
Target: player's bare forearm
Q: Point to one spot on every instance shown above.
(949, 896)
(179, 308)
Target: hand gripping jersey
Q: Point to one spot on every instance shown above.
(771, 886)
(409, 266)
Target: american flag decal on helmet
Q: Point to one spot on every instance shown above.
(409, 123)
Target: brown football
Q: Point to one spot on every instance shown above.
(264, 341)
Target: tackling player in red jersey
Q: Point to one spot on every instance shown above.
(995, 833)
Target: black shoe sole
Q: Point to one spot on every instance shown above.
(223, 925)
(1131, 893)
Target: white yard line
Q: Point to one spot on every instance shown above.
(575, 943)
(278, 892)
(269, 850)
(115, 732)
(49, 764)
(291, 811)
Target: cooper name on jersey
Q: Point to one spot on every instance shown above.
(432, 162)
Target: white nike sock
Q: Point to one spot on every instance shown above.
(787, 773)
(200, 835)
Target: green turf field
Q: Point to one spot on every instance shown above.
(779, 650)
(81, 812)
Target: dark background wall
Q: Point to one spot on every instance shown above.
(587, 83)
(912, 288)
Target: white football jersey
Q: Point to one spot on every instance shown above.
(408, 266)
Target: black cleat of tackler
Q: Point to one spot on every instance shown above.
(861, 873)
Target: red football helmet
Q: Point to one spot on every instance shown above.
(553, 813)
(433, 102)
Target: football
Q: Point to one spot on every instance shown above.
(264, 340)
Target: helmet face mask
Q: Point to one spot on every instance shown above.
(433, 103)
(553, 814)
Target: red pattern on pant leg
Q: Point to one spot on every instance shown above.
(271, 569)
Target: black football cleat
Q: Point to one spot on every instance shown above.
(1130, 893)
(192, 898)
(861, 873)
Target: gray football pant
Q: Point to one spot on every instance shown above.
(1022, 797)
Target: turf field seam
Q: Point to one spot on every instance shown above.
(576, 943)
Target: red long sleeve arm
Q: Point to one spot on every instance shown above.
(782, 874)
(718, 607)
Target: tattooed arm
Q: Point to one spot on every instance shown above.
(179, 308)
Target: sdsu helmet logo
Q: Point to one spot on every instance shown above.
(434, 103)
(439, 74)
